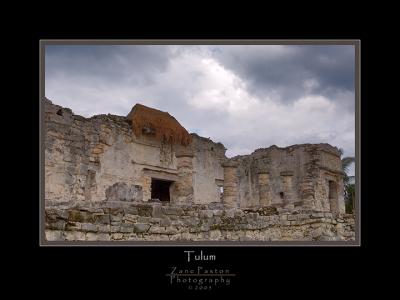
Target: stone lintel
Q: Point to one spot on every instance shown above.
(230, 164)
(184, 152)
(262, 172)
(161, 175)
(219, 182)
(286, 173)
(331, 151)
(336, 172)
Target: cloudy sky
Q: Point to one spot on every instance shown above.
(246, 97)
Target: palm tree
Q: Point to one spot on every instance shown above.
(349, 188)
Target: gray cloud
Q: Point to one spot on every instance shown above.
(246, 97)
(291, 71)
(134, 65)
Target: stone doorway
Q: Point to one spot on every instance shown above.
(160, 189)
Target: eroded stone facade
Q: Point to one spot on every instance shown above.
(296, 176)
(102, 182)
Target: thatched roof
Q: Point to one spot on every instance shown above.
(160, 124)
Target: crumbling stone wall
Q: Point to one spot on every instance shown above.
(295, 176)
(98, 178)
(208, 173)
(86, 156)
(134, 221)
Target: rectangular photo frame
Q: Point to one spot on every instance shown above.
(274, 196)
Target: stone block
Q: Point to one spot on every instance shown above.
(104, 228)
(251, 218)
(132, 210)
(191, 221)
(206, 214)
(153, 221)
(165, 222)
(156, 230)
(56, 225)
(171, 230)
(90, 236)
(175, 237)
(317, 215)
(157, 211)
(144, 219)
(102, 218)
(72, 226)
(113, 207)
(97, 150)
(54, 235)
(88, 227)
(145, 211)
(130, 218)
(115, 228)
(310, 221)
(120, 191)
(303, 216)
(141, 228)
(216, 220)
(74, 236)
(317, 233)
(230, 213)
(116, 218)
(127, 228)
(80, 216)
(51, 214)
(168, 210)
(117, 236)
(205, 227)
(218, 212)
(215, 235)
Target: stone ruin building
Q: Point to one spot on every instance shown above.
(144, 177)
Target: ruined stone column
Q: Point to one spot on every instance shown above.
(183, 188)
(230, 197)
(288, 199)
(341, 203)
(263, 186)
(307, 193)
(146, 187)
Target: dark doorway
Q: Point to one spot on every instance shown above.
(160, 189)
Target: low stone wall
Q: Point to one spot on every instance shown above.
(141, 221)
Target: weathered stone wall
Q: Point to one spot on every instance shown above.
(134, 221)
(230, 196)
(289, 177)
(208, 173)
(86, 156)
(98, 179)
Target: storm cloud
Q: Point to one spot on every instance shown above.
(246, 97)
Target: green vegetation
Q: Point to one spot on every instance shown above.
(349, 188)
